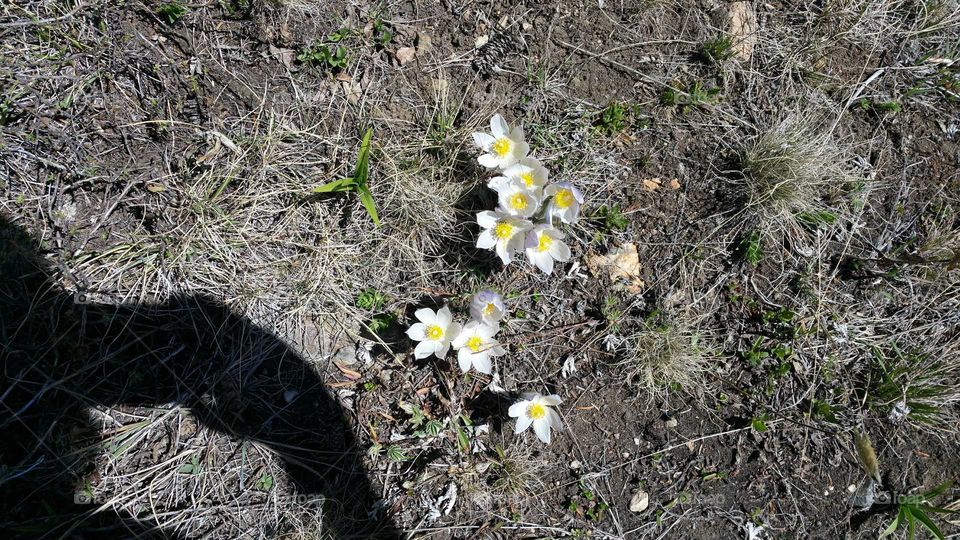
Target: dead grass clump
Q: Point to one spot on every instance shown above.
(667, 357)
(794, 174)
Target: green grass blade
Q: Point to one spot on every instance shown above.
(937, 491)
(367, 199)
(911, 523)
(928, 523)
(893, 525)
(363, 159)
(344, 184)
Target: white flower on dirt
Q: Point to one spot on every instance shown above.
(516, 200)
(544, 244)
(504, 147)
(565, 202)
(475, 347)
(487, 307)
(528, 170)
(537, 410)
(502, 233)
(435, 331)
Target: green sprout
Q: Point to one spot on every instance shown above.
(357, 182)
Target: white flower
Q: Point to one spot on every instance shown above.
(487, 307)
(504, 148)
(475, 346)
(528, 170)
(435, 332)
(502, 233)
(565, 203)
(536, 409)
(544, 244)
(516, 200)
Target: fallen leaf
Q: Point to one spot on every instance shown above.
(347, 372)
(154, 187)
(651, 184)
(621, 264)
(743, 28)
(405, 54)
(674, 184)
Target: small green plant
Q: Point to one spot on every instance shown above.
(912, 383)
(916, 509)
(381, 322)
(193, 467)
(323, 56)
(265, 482)
(752, 249)
(889, 106)
(759, 423)
(586, 505)
(6, 112)
(716, 51)
(171, 12)
(613, 218)
(357, 182)
(695, 96)
(381, 34)
(617, 117)
(371, 300)
(395, 453)
(236, 8)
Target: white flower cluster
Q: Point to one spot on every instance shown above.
(474, 341)
(522, 188)
(476, 346)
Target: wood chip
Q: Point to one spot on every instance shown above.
(743, 28)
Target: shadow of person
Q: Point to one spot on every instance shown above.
(61, 357)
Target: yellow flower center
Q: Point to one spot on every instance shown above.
(563, 198)
(536, 411)
(503, 230)
(527, 178)
(545, 242)
(434, 332)
(518, 201)
(488, 309)
(474, 343)
(501, 146)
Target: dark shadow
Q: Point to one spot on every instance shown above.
(61, 356)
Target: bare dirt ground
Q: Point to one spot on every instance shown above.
(197, 345)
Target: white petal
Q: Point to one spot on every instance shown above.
(523, 422)
(453, 331)
(499, 126)
(486, 331)
(424, 349)
(483, 140)
(441, 348)
(486, 240)
(560, 251)
(444, 317)
(482, 363)
(489, 161)
(487, 219)
(497, 183)
(426, 315)
(544, 262)
(552, 400)
(504, 253)
(463, 359)
(576, 193)
(417, 332)
(555, 421)
(542, 427)
(518, 408)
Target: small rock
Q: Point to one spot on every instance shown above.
(672, 423)
(346, 355)
(289, 395)
(405, 54)
(639, 502)
(575, 465)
